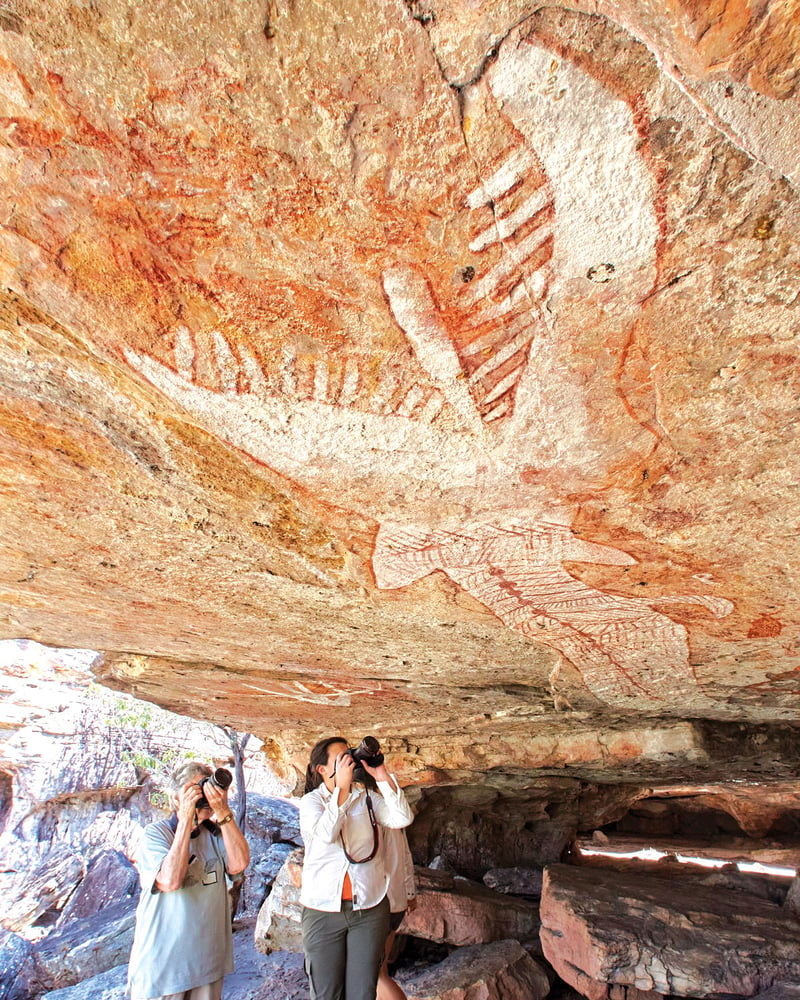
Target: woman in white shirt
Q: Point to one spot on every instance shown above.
(345, 916)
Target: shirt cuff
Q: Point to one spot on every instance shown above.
(339, 810)
(392, 791)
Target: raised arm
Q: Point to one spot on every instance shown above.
(392, 808)
(237, 850)
(173, 868)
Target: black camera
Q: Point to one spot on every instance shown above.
(221, 778)
(368, 751)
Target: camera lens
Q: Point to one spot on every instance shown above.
(221, 778)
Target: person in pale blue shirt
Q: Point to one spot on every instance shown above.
(183, 943)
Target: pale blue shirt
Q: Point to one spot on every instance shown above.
(183, 938)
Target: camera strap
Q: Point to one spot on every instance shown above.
(375, 836)
(208, 824)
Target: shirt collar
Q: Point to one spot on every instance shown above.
(208, 824)
(327, 794)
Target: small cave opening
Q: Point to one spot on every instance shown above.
(701, 829)
(411, 954)
(534, 861)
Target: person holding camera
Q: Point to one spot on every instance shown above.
(183, 942)
(345, 916)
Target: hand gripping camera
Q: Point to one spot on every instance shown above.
(367, 751)
(221, 778)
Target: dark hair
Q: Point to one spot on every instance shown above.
(319, 755)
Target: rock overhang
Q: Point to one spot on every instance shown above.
(417, 369)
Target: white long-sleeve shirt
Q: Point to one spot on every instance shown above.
(399, 867)
(328, 828)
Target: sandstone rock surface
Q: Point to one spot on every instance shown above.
(459, 912)
(499, 971)
(417, 367)
(428, 365)
(278, 924)
(450, 910)
(603, 930)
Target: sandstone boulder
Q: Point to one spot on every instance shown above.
(273, 819)
(260, 877)
(281, 975)
(36, 892)
(264, 977)
(109, 878)
(450, 910)
(278, 924)
(502, 970)
(631, 993)
(18, 966)
(87, 946)
(606, 929)
(457, 911)
(516, 881)
(792, 901)
(780, 991)
(273, 830)
(108, 985)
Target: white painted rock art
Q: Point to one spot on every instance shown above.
(583, 212)
(624, 648)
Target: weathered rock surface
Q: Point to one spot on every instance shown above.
(450, 910)
(86, 947)
(282, 974)
(459, 912)
(499, 971)
(427, 368)
(780, 991)
(718, 811)
(518, 881)
(603, 929)
(474, 829)
(19, 978)
(108, 985)
(261, 875)
(428, 364)
(792, 900)
(278, 924)
(264, 977)
(273, 830)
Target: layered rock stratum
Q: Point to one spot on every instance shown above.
(423, 368)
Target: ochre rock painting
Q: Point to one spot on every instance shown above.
(437, 355)
(624, 648)
(573, 199)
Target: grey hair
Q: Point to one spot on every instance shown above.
(191, 769)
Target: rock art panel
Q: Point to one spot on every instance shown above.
(623, 648)
(500, 416)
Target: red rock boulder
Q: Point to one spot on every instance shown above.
(602, 930)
